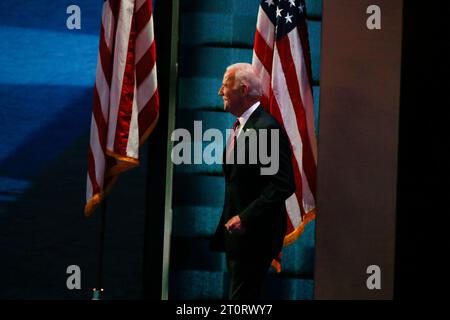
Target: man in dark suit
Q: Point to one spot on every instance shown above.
(253, 222)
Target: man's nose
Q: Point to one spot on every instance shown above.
(221, 91)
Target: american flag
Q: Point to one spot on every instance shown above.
(126, 102)
(281, 57)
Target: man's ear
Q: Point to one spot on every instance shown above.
(244, 89)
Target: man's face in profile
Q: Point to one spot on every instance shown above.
(231, 93)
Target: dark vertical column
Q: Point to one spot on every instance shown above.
(358, 135)
(421, 269)
(157, 158)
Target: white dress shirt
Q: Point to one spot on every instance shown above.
(244, 117)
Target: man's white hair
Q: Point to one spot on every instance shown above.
(246, 74)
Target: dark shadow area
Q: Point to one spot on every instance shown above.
(422, 243)
(45, 231)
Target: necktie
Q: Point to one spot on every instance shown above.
(232, 140)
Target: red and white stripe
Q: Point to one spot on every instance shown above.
(126, 102)
(285, 71)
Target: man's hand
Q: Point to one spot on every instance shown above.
(234, 225)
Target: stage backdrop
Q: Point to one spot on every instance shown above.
(46, 88)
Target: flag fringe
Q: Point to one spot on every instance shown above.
(98, 198)
(130, 160)
(293, 236)
(276, 265)
(125, 164)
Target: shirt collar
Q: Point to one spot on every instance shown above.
(244, 117)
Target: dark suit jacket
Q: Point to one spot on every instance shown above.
(258, 199)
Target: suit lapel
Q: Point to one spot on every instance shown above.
(230, 169)
(250, 124)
